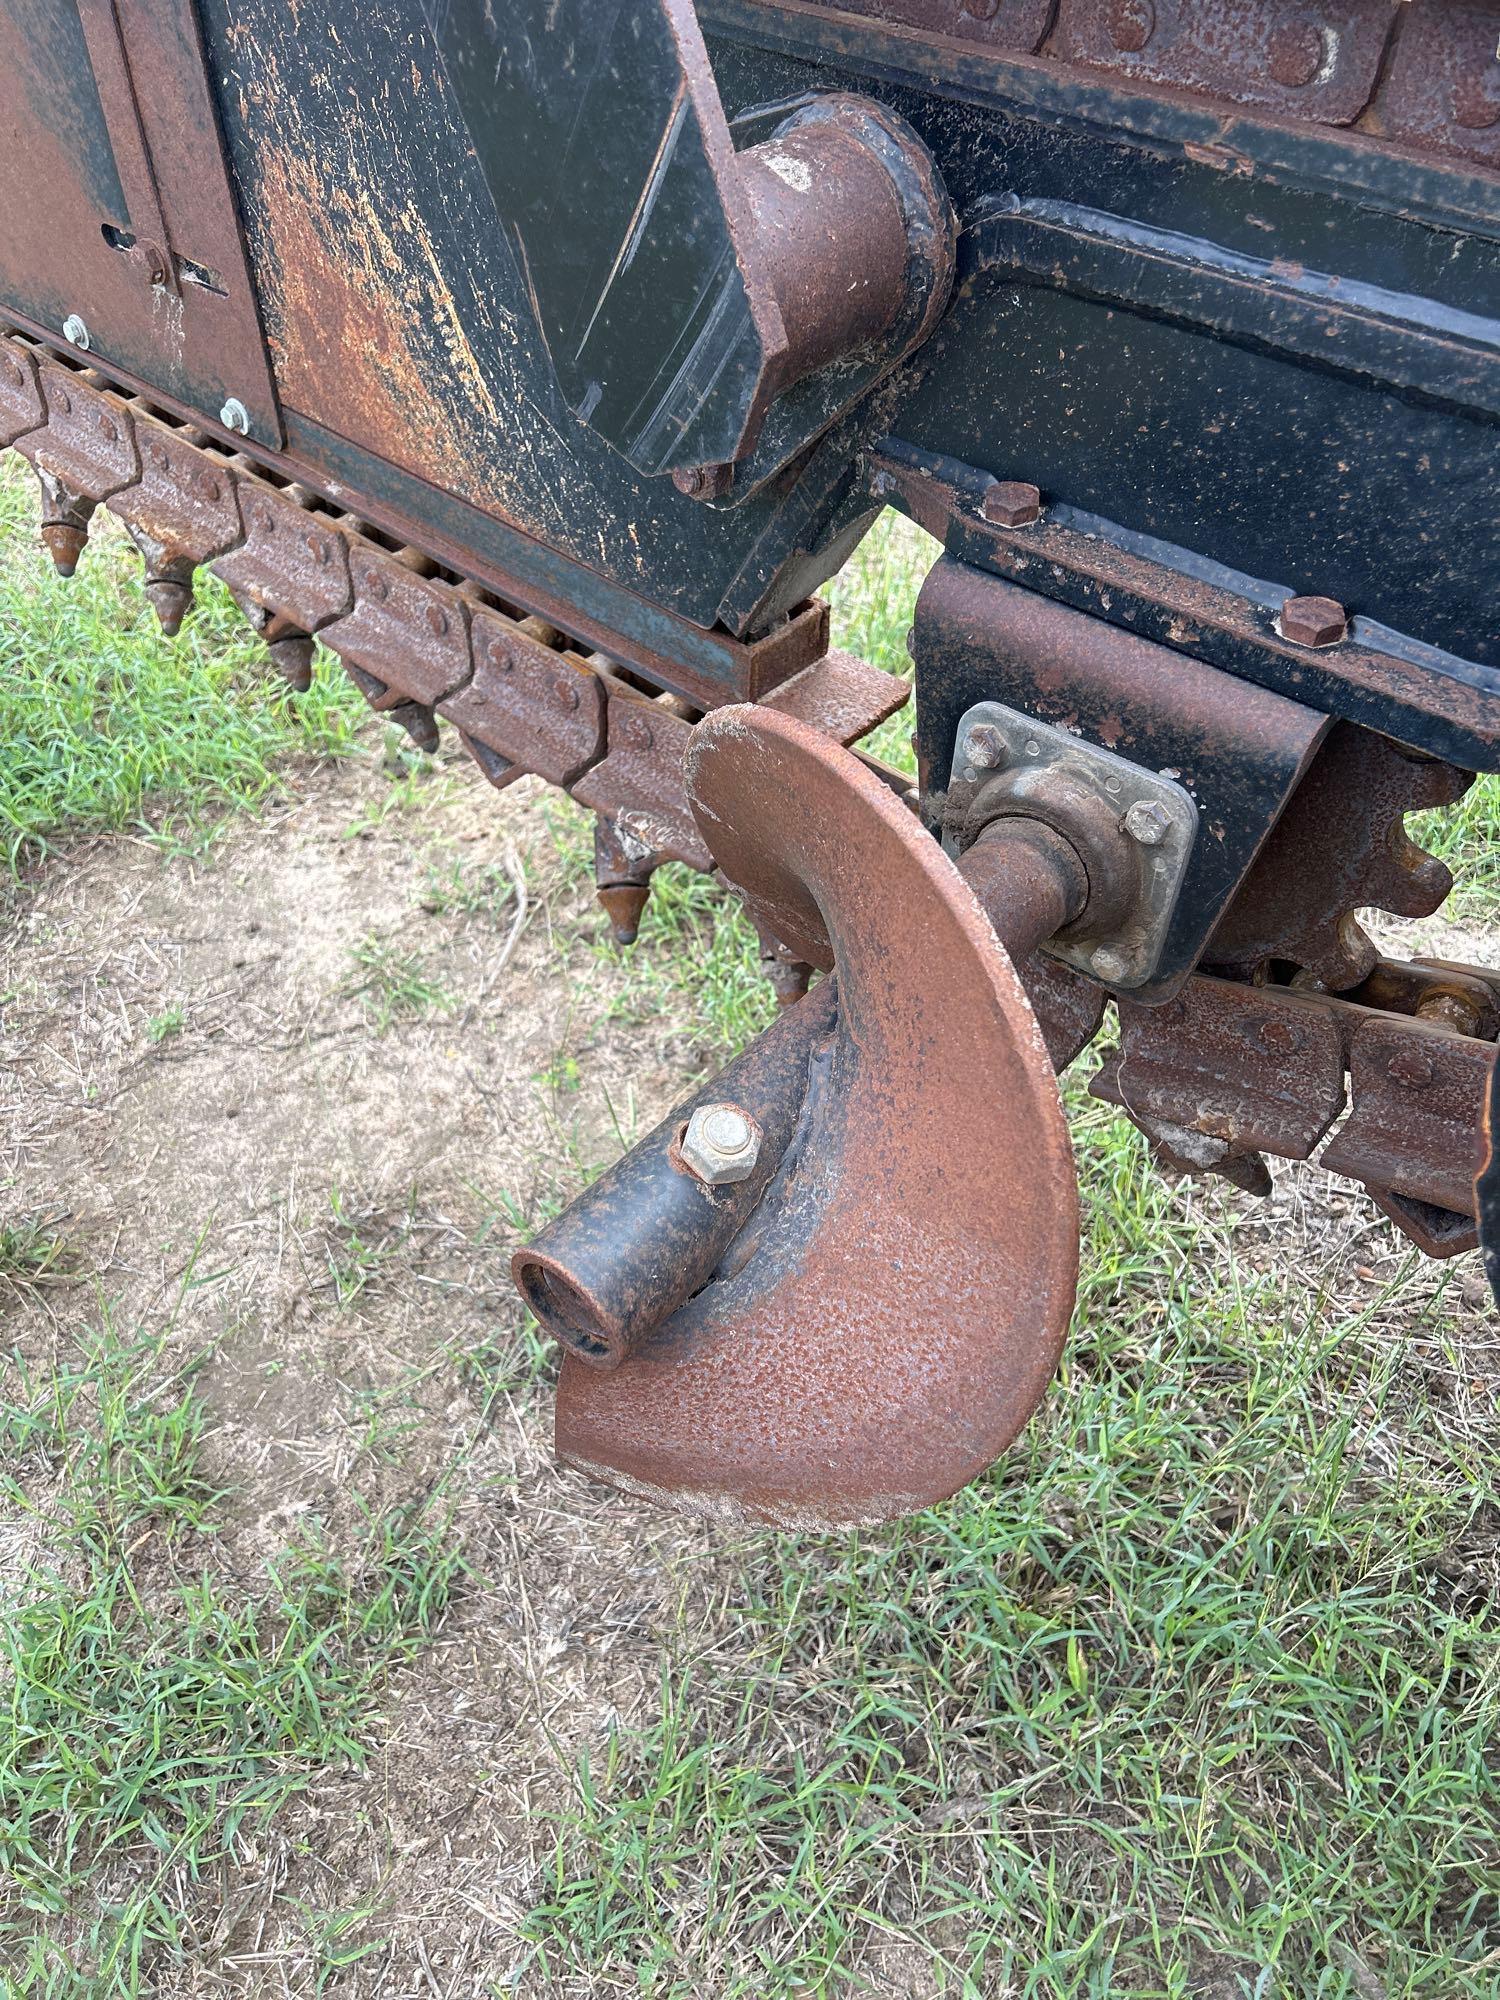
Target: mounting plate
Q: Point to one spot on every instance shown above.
(1021, 764)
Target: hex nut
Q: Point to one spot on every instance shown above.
(1012, 503)
(76, 332)
(1108, 965)
(235, 417)
(1148, 822)
(720, 1144)
(1313, 621)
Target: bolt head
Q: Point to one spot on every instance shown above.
(1281, 1036)
(720, 1145)
(1298, 54)
(1148, 822)
(235, 417)
(703, 482)
(1012, 503)
(1108, 965)
(75, 332)
(986, 747)
(1132, 23)
(1313, 621)
(1411, 1069)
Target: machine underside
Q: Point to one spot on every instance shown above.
(542, 362)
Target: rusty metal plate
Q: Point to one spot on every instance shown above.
(1417, 1127)
(640, 784)
(538, 708)
(841, 696)
(1487, 1187)
(1340, 846)
(89, 441)
(1315, 62)
(914, 1267)
(1442, 86)
(21, 405)
(1248, 1069)
(182, 501)
(108, 139)
(288, 562)
(406, 630)
(1017, 26)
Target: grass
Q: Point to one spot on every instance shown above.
(108, 726)
(155, 1714)
(1194, 1697)
(393, 983)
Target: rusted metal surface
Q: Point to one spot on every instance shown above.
(114, 193)
(1465, 998)
(1418, 1096)
(639, 784)
(1423, 74)
(850, 1366)
(856, 237)
(1224, 1072)
(647, 1235)
(417, 643)
(1442, 88)
(540, 707)
(21, 406)
(1433, 700)
(181, 512)
(1487, 1186)
(1018, 25)
(410, 631)
(1029, 879)
(89, 439)
(1319, 64)
(1340, 846)
(1228, 1072)
(841, 696)
(1238, 749)
(288, 561)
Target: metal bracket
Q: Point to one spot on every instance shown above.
(1006, 762)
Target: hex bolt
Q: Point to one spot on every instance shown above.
(1148, 822)
(720, 1144)
(986, 748)
(1108, 965)
(1012, 503)
(235, 417)
(76, 332)
(1313, 621)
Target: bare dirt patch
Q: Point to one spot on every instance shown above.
(201, 1083)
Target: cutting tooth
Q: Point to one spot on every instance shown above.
(623, 867)
(169, 580)
(419, 722)
(788, 974)
(789, 979)
(65, 522)
(292, 657)
(624, 903)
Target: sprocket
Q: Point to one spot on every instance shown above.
(1340, 847)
